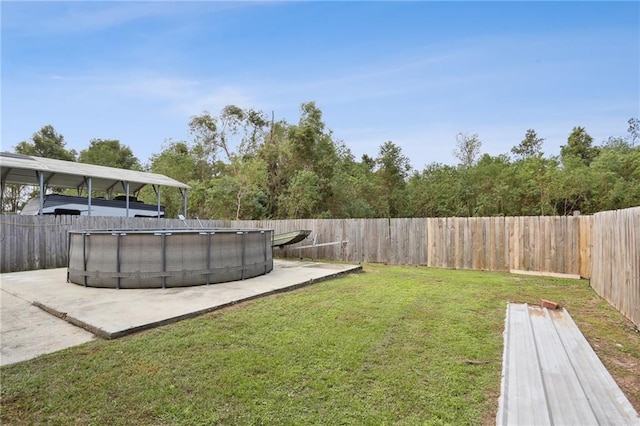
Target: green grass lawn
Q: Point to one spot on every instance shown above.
(391, 345)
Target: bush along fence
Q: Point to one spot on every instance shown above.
(603, 247)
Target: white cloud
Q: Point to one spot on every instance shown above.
(213, 98)
(71, 17)
(156, 86)
(182, 96)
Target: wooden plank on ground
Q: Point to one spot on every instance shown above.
(544, 274)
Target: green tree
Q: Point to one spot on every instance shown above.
(110, 153)
(535, 181)
(467, 149)
(249, 195)
(226, 151)
(230, 119)
(242, 166)
(491, 186)
(206, 145)
(246, 168)
(178, 162)
(579, 147)
(633, 131)
(275, 154)
(14, 196)
(48, 143)
(530, 146)
(303, 196)
(356, 187)
(618, 165)
(393, 168)
(435, 192)
(219, 199)
(310, 147)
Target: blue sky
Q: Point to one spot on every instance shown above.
(415, 73)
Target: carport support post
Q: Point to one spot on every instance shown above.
(41, 184)
(127, 191)
(89, 192)
(186, 200)
(158, 198)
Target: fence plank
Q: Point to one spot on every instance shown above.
(585, 246)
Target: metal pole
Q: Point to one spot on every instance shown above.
(118, 260)
(84, 256)
(164, 260)
(2, 187)
(89, 190)
(186, 200)
(41, 182)
(127, 202)
(68, 253)
(208, 257)
(244, 245)
(158, 198)
(264, 250)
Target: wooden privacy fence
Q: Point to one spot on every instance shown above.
(616, 260)
(603, 247)
(545, 244)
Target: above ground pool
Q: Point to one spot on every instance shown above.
(162, 258)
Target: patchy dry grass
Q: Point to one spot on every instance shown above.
(392, 345)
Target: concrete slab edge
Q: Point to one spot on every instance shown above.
(71, 320)
(117, 334)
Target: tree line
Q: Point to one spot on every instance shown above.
(243, 164)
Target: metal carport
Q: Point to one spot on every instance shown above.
(46, 172)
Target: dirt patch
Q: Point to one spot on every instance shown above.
(491, 408)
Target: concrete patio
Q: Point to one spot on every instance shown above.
(41, 313)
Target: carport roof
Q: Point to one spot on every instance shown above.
(25, 169)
